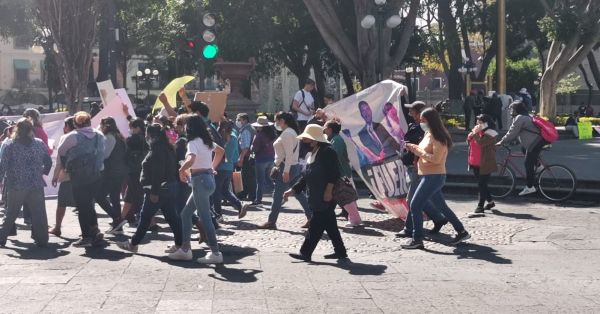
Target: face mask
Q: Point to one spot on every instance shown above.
(484, 126)
(278, 128)
(238, 124)
(424, 126)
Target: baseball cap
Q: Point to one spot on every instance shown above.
(417, 105)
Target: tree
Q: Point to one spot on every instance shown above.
(72, 25)
(573, 26)
(358, 54)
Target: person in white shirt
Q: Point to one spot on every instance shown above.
(304, 104)
(287, 169)
(199, 168)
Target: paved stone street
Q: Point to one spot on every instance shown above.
(526, 257)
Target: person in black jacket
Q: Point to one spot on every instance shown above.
(322, 172)
(159, 181)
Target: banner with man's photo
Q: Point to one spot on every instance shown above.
(373, 128)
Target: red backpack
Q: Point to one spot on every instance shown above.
(547, 129)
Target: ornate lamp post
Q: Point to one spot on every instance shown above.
(147, 76)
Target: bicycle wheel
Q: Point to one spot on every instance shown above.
(557, 183)
(502, 182)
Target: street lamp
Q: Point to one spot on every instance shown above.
(466, 70)
(379, 17)
(147, 76)
(411, 74)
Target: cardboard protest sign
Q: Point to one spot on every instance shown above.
(216, 101)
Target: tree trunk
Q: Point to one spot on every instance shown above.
(103, 51)
(594, 68)
(548, 87)
(347, 80)
(455, 82)
(589, 85)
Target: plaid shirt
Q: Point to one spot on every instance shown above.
(245, 138)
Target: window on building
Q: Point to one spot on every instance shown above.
(436, 83)
(22, 68)
(22, 42)
(415, 84)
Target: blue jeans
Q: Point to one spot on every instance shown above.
(429, 193)
(434, 215)
(167, 203)
(263, 179)
(203, 186)
(281, 187)
(223, 191)
(183, 194)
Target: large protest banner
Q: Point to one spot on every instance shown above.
(373, 128)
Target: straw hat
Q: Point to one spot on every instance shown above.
(262, 121)
(314, 132)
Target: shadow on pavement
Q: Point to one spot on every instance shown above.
(391, 224)
(357, 269)
(476, 252)
(30, 251)
(362, 231)
(101, 253)
(515, 215)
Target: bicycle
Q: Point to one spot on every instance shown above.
(555, 182)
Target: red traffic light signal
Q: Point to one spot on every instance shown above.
(190, 44)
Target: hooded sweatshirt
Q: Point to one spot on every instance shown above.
(70, 140)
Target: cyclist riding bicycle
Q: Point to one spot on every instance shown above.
(531, 140)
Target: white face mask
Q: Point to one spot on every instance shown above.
(484, 126)
(238, 124)
(278, 128)
(424, 126)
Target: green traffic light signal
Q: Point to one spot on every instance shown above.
(210, 51)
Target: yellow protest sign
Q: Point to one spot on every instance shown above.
(171, 91)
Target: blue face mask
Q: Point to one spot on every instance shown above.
(424, 126)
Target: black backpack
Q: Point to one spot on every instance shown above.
(294, 112)
(82, 165)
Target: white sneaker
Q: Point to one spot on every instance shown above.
(539, 169)
(527, 191)
(171, 249)
(351, 225)
(243, 210)
(211, 258)
(181, 255)
(127, 246)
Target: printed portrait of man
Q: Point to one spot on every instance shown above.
(374, 136)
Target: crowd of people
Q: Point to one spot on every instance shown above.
(185, 165)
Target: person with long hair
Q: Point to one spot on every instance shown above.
(322, 172)
(65, 189)
(159, 180)
(287, 168)
(34, 116)
(199, 168)
(482, 158)
(24, 162)
(531, 140)
(432, 152)
(225, 174)
(113, 176)
(264, 156)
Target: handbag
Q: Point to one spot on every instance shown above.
(274, 173)
(238, 183)
(343, 192)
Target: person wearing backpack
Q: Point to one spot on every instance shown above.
(83, 150)
(303, 104)
(524, 128)
(482, 158)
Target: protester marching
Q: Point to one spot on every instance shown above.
(187, 164)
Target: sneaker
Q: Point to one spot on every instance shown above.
(335, 256)
(181, 255)
(460, 237)
(479, 210)
(437, 226)
(414, 245)
(116, 227)
(127, 246)
(97, 241)
(539, 169)
(256, 203)
(171, 249)
(403, 234)
(353, 225)
(211, 258)
(83, 242)
(489, 206)
(300, 257)
(243, 210)
(267, 226)
(527, 190)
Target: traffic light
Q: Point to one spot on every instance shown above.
(210, 51)
(190, 44)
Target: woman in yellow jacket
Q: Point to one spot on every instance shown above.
(432, 153)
